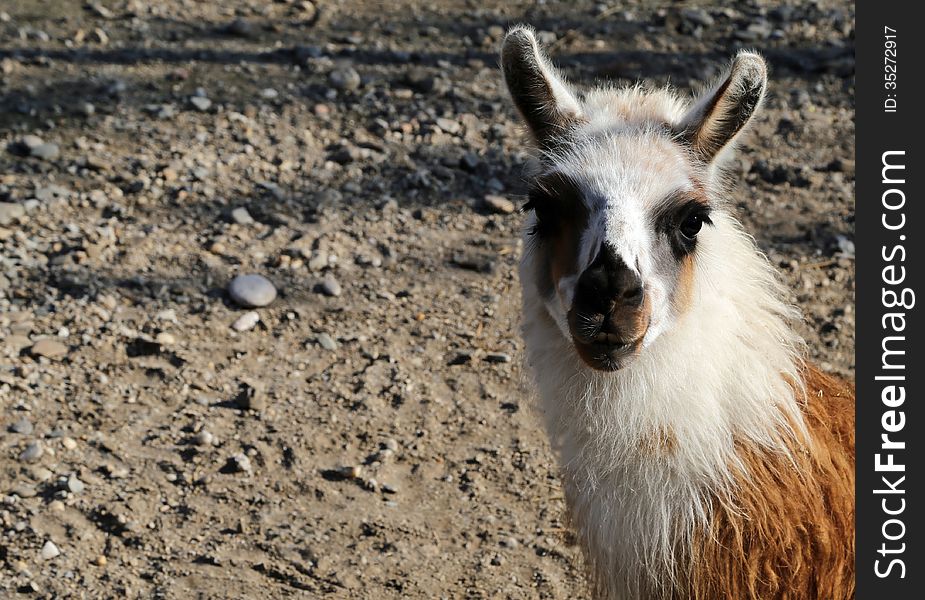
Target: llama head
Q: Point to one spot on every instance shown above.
(625, 195)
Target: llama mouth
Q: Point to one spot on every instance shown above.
(607, 352)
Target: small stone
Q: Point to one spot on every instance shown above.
(30, 141)
(116, 471)
(74, 485)
(200, 103)
(845, 246)
(351, 472)
(252, 290)
(241, 216)
(269, 93)
(46, 151)
(203, 438)
(497, 357)
(241, 28)
(246, 321)
(32, 452)
(50, 551)
(100, 561)
(23, 426)
(165, 338)
(49, 348)
(326, 341)
(68, 443)
(249, 397)
(56, 506)
(99, 36)
(10, 212)
(40, 474)
(240, 463)
(469, 161)
(448, 125)
(388, 488)
(330, 286)
(345, 78)
(499, 204)
(23, 490)
(697, 17)
(86, 108)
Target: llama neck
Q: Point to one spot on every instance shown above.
(644, 447)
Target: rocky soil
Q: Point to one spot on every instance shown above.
(362, 427)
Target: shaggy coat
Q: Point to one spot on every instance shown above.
(702, 457)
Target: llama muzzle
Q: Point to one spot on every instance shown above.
(610, 312)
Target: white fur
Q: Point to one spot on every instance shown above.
(718, 372)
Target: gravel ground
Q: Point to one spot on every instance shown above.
(361, 428)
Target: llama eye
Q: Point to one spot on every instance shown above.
(691, 225)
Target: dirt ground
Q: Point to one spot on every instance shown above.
(372, 436)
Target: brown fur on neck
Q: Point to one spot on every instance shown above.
(788, 532)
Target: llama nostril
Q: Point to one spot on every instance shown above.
(633, 294)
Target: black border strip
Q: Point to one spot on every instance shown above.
(888, 269)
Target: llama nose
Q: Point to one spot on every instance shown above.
(609, 283)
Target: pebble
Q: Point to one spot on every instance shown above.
(116, 471)
(86, 108)
(241, 216)
(49, 550)
(74, 485)
(32, 453)
(46, 151)
(240, 463)
(448, 125)
(241, 27)
(697, 16)
(23, 426)
(100, 561)
(497, 357)
(10, 212)
(499, 204)
(350, 472)
(200, 103)
(326, 341)
(30, 141)
(69, 443)
(330, 286)
(165, 338)
(470, 161)
(345, 78)
(23, 490)
(41, 474)
(252, 290)
(203, 438)
(249, 397)
(246, 321)
(49, 348)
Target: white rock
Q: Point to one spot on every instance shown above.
(49, 550)
(246, 321)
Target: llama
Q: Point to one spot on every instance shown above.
(701, 455)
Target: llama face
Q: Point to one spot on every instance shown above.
(622, 201)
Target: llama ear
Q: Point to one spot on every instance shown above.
(720, 114)
(542, 97)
